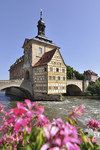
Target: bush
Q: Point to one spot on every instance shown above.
(94, 88)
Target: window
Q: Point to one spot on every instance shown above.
(57, 69)
(51, 68)
(45, 69)
(49, 77)
(40, 50)
(54, 87)
(35, 79)
(45, 78)
(63, 70)
(49, 87)
(58, 78)
(34, 70)
(53, 77)
(63, 78)
(63, 87)
(54, 63)
(45, 88)
(40, 88)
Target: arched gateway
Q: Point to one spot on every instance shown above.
(75, 87)
(17, 87)
(73, 90)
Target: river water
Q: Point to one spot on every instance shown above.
(54, 109)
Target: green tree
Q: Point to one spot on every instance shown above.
(69, 72)
(94, 88)
(97, 87)
(79, 76)
(99, 79)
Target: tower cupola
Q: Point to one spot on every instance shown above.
(41, 25)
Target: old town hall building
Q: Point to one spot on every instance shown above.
(42, 64)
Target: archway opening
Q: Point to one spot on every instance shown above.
(27, 75)
(73, 90)
(18, 92)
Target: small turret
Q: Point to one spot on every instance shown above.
(41, 25)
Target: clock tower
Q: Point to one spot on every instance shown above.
(41, 26)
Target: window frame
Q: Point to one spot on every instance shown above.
(40, 50)
(57, 69)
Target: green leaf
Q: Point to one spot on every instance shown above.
(26, 147)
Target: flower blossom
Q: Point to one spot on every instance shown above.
(1, 107)
(94, 140)
(20, 119)
(93, 124)
(60, 135)
(77, 112)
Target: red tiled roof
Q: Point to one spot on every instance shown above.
(45, 58)
(19, 60)
(90, 72)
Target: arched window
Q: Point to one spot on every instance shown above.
(27, 76)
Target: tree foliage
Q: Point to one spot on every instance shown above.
(99, 79)
(73, 74)
(94, 88)
(78, 75)
(70, 72)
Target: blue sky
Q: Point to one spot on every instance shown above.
(74, 25)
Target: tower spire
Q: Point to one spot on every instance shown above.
(41, 25)
(41, 14)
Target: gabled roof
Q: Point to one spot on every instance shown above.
(42, 39)
(61, 57)
(45, 58)
(19, 60)
(90, 72)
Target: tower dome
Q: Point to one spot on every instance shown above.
(41, 25)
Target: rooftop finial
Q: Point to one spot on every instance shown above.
(41, 14)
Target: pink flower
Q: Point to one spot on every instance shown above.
(39, 109)
(94, 140)
(1, 107)
(59, 134)
(19, 111)
(50, 131)
(93, 124)
(78, 111)
(41, 120)
(17, 126)
(32, 108)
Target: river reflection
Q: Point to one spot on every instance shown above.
(60, 109)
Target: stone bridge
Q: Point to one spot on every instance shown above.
(76, 87)
(17, 87)
(24, 87)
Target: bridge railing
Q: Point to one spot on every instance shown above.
(10, 81)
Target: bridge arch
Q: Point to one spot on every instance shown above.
(17, 91)
(25, 86)
(73, 90)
